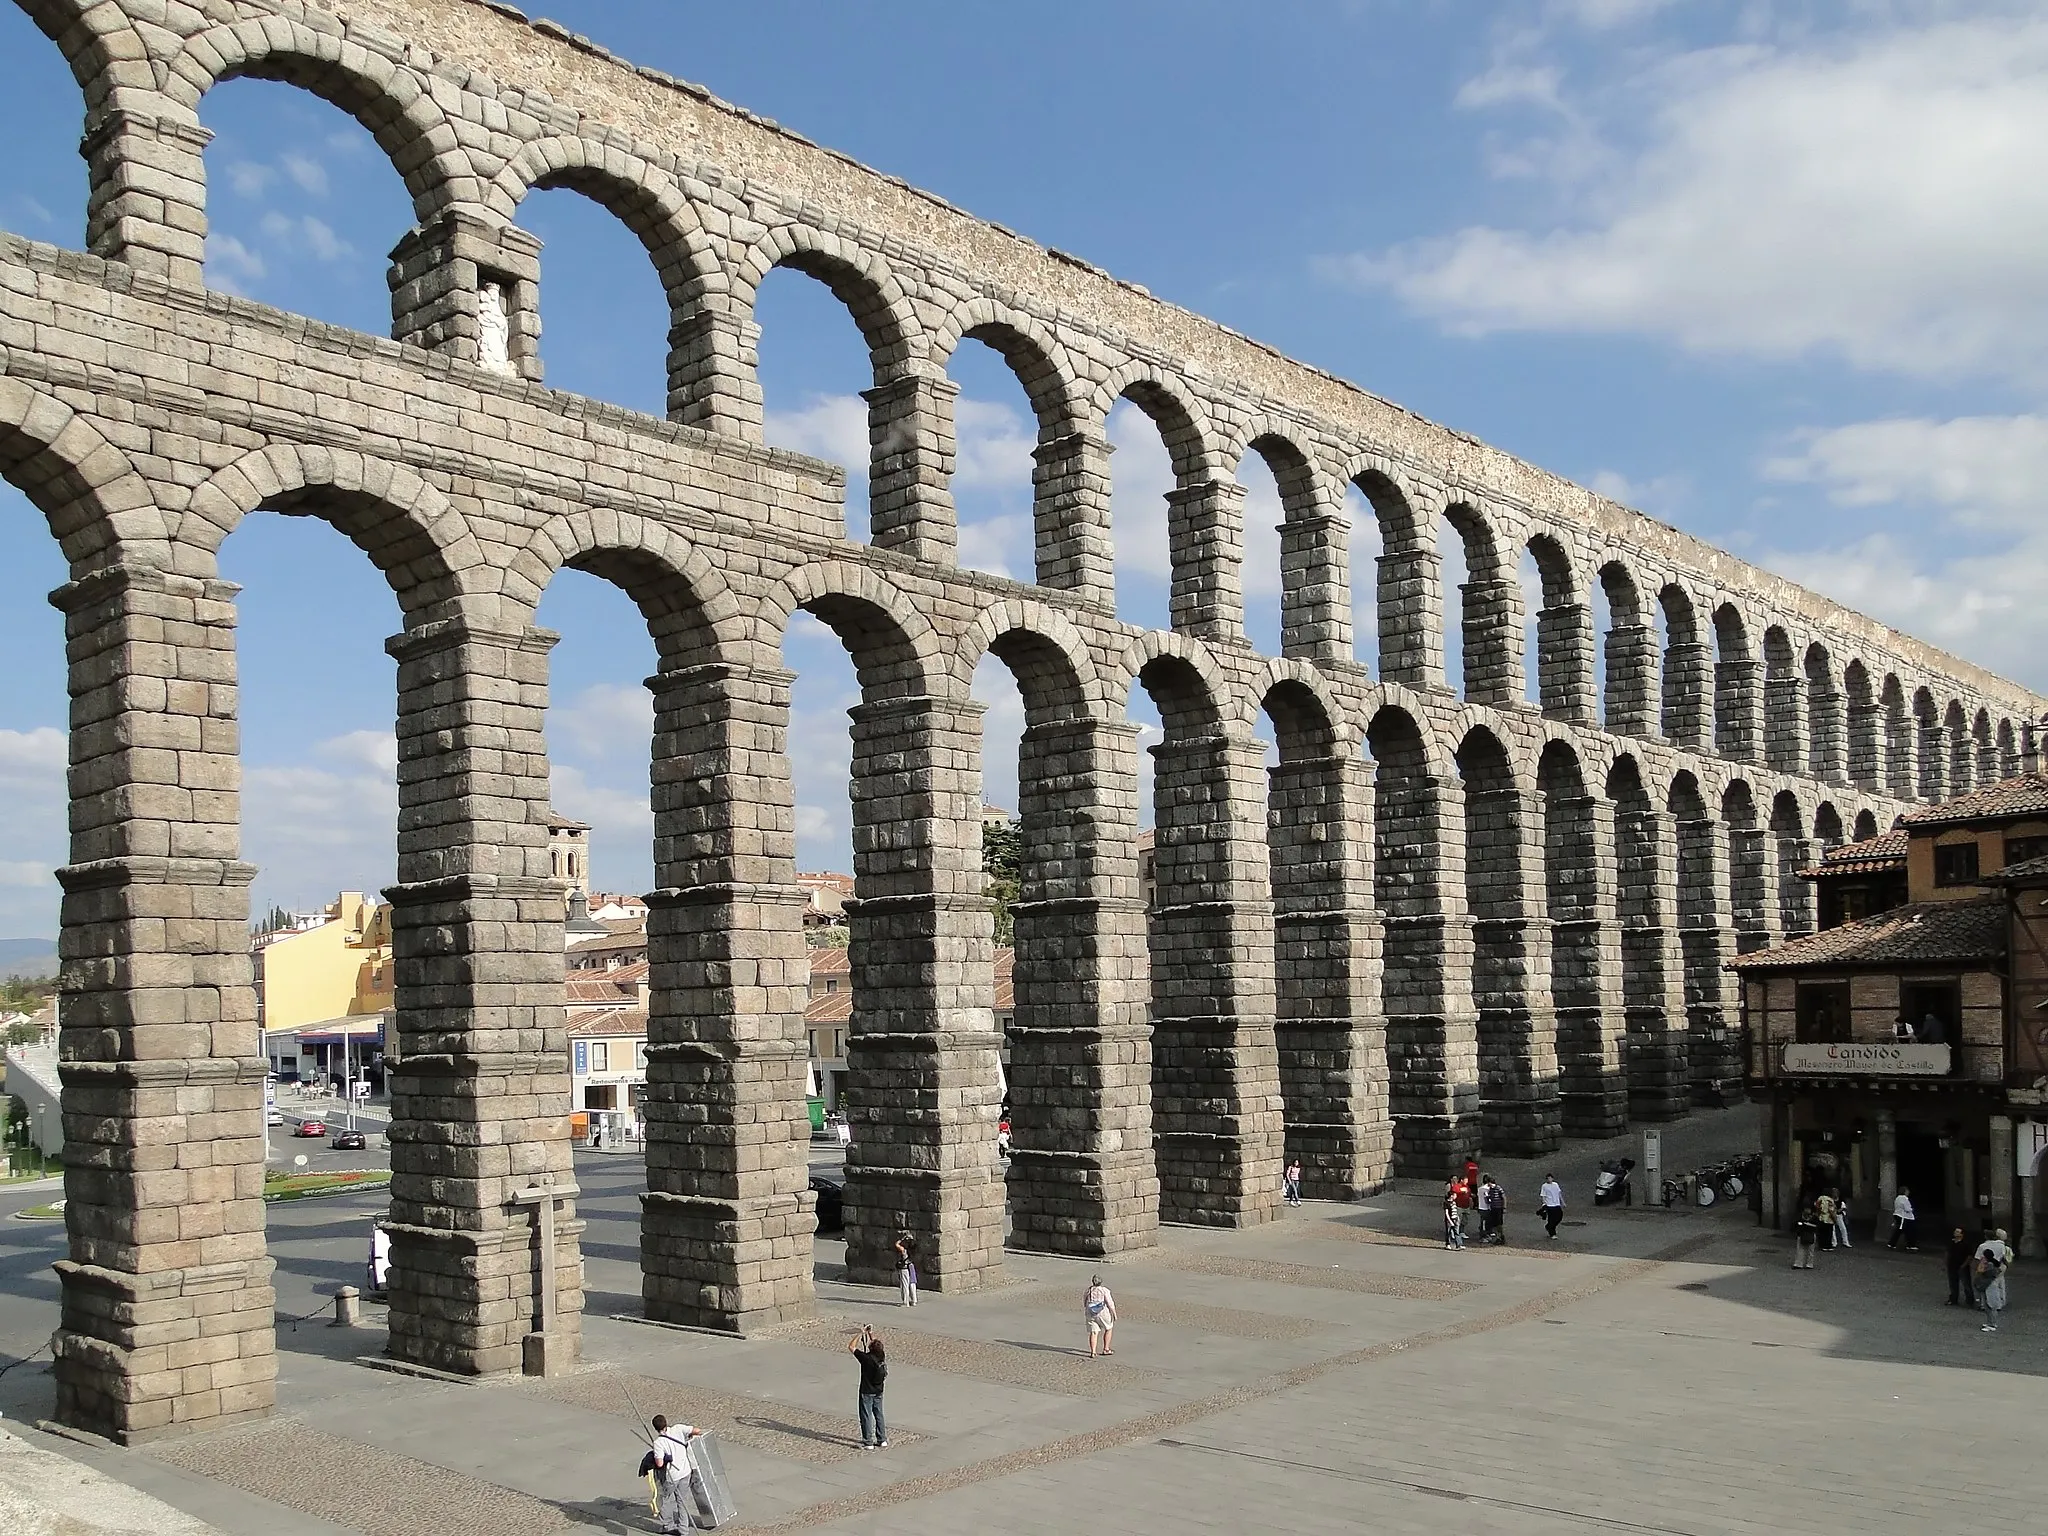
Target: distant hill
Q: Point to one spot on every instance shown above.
(28, 957)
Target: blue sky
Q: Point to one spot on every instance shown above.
(1773, 273)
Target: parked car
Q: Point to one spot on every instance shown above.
(273, 1116)
(348, 1141)
(310, 1128)
(831, 1199)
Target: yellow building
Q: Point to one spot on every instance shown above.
(337, 969)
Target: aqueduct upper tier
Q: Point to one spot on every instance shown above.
(1448, 917)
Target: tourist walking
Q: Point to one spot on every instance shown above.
(1551, 1197)
(1962, 1282)
(906, 1269)
(677, 1504)
(1454, 1217)
(1290, 1181)
(1493, 1210)
(874, 1370)
(1902, 1222)
(1993, 1260)
(1841, 1219)
(380, 1260)
(1806, 1233)
(1098, 1307)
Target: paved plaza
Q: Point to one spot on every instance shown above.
(1661, 1371)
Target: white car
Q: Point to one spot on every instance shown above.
(273, 1116)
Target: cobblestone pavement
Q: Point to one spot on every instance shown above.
(1651, 1371)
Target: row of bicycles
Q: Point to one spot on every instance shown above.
(1716, 1181)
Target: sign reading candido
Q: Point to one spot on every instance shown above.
(1868, 1060)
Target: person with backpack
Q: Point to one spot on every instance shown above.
(1099, 1308)
(1493, 1212)
(1454, 1215)
(679, 1505)
(906, 1269)
(1993, 1260)
(866, 1347)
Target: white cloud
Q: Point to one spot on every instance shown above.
(1959, 558)
(323, 824)
(605, 720)
(230, 263)
(32, 772)
(309, 174)
(829, 427)
(25, 872)
(305, 235)
(1662, 496)
(1871, 194)
(992, 443)
(249, 179)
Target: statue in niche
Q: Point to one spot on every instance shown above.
(493, 329)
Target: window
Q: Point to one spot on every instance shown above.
(600, 1056)
(831, 985)
(2019, 849)
(1823, 1017)
(640, 1054)
(1955, 864)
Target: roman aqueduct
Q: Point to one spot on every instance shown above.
(1449, 917)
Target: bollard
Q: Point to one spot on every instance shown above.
(348, 1308)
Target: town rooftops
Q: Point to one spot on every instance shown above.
(612, 1023)
(1887, 850)
(2026, 872)
(557, 822)
(2024, 794)
(1925, 933)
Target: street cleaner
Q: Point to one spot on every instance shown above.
(688, 1474)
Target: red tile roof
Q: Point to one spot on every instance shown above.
(1925, 933)
(1887, 850)
(613, 1022)
(2024, 794)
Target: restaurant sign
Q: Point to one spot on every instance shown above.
(1866, 1060)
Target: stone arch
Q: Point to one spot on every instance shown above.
(1315, 559)
(1738, 688)
(1564, 635)
(1307, 719)
(692, 615)
(406, 526)
(94, 500)
(1827, 735)
(895, 651)
(1182, 669)
(1652, 963)
(1750, 868)
(1183, 422)
(2008, 750)
(1794, 853)
(1962, 763)
(1518, 1071)
(1704, 889)
(1827, 826)
(1425, 986)
(1585, 980)
(385, 96)
(1687, 693)
(1901, 781)
(1866, 824)
(1408, 599)
(1034, 354)
(859, 278)
(707, 383)
(1490, 611)
(1631, 647)
(1931, 744)
(1044, 651)
(108, 57)
(1984, 747)
(1865, 734)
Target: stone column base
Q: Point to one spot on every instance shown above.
(463, 1302)
(964, 1209)
(1596, 1114)
(138, 1357)
(1432, 1146)
(728, 1265)
(1082, 1205)
(1528, 1126)
(1341, 1160)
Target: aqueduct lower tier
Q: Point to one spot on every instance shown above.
(1445, 919)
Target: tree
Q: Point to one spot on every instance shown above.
(1002, 864)
(825, 936)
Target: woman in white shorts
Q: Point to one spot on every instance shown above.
(1099, 1307)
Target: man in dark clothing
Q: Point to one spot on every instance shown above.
(1961, 1254)
(874, 1370)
